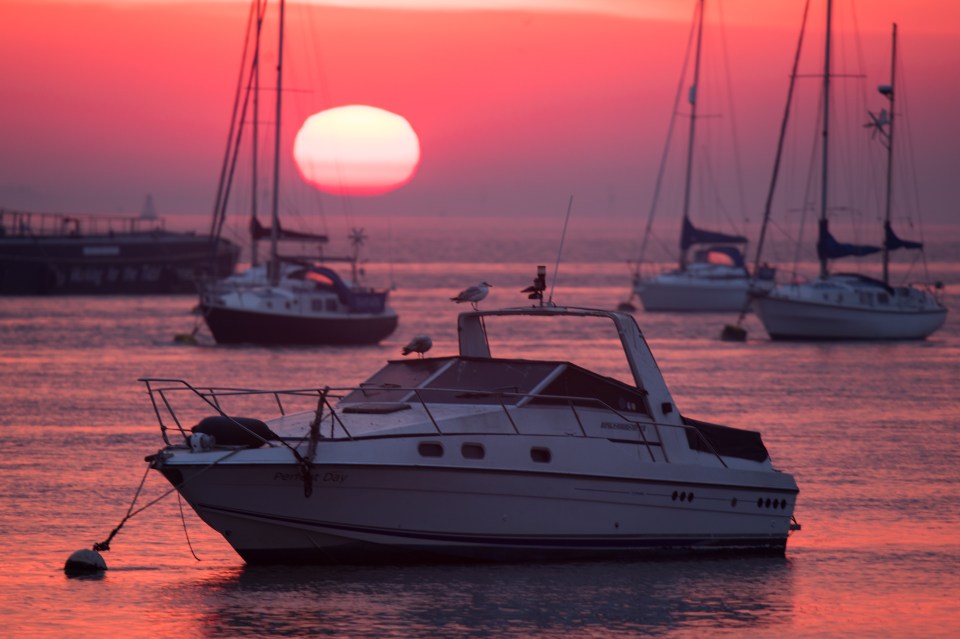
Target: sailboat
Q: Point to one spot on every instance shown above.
(292, 300)
(849, 306)
(716, 279)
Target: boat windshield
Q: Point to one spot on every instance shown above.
(590, 342)
(495, 381)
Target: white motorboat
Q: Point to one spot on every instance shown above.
(844, 306)
(474, 456)
(717, 278)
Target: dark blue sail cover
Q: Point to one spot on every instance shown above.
(892, 242)
(259, 232)
(828, 248)
(691, 235)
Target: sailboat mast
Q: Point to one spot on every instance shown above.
(692, 98)
(275, 215)
(891, 95)
(254, 187)
(826, 127)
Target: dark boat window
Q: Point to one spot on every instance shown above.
(577, 382)
(472, 451)
(540, 455)
(430, 449)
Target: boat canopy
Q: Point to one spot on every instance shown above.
(725, 441)
(828, 248)
(358, 300)
(691, 235)
(731, 252)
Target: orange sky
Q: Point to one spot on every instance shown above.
(104, 102)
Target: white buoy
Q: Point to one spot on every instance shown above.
(84, 562)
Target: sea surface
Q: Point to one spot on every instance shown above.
(871, 431)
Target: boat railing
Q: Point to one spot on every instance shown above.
(323, 402)
(29, 224)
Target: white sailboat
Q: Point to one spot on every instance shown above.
(291, 299)
(845, 306)
(716, 279)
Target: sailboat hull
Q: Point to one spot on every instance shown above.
(826, 311)
(240, 326)
(662, 294)
(688, 291)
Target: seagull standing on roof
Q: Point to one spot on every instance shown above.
(420, 344)
(473, 294)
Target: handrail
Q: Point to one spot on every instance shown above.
(213, 395)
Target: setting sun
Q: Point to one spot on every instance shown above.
(356, 150)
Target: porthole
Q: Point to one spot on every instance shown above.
(540, 455)
(472, 451)
(760, 502)
(675, 495)
(430, 449)
(690, 497)
(767, 503)
(733, 502)
(783, 504)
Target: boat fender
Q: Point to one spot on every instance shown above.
(202, 442)
(84, 562)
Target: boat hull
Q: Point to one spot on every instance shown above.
(680, 293)
(801, 318)
(380, 514)
(141, 263)
(241, 326)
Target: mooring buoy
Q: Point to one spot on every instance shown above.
(185, 338)
(733, 333)
(84, 562)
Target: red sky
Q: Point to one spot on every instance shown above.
(517, 109)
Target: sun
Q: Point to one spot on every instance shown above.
(356, 150)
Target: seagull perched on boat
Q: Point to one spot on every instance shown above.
(420, 344)
(473, 294)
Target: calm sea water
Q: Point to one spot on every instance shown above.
(869, 430)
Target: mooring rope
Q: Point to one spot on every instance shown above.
(306, 465)
(105, 545)
(183, 520)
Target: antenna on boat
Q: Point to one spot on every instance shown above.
(556, 268)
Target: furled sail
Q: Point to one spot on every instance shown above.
(260, 232)
(691, 235)
(891, 242)
(828, 248)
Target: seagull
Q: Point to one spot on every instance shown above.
(420, 344)
(473, 294)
